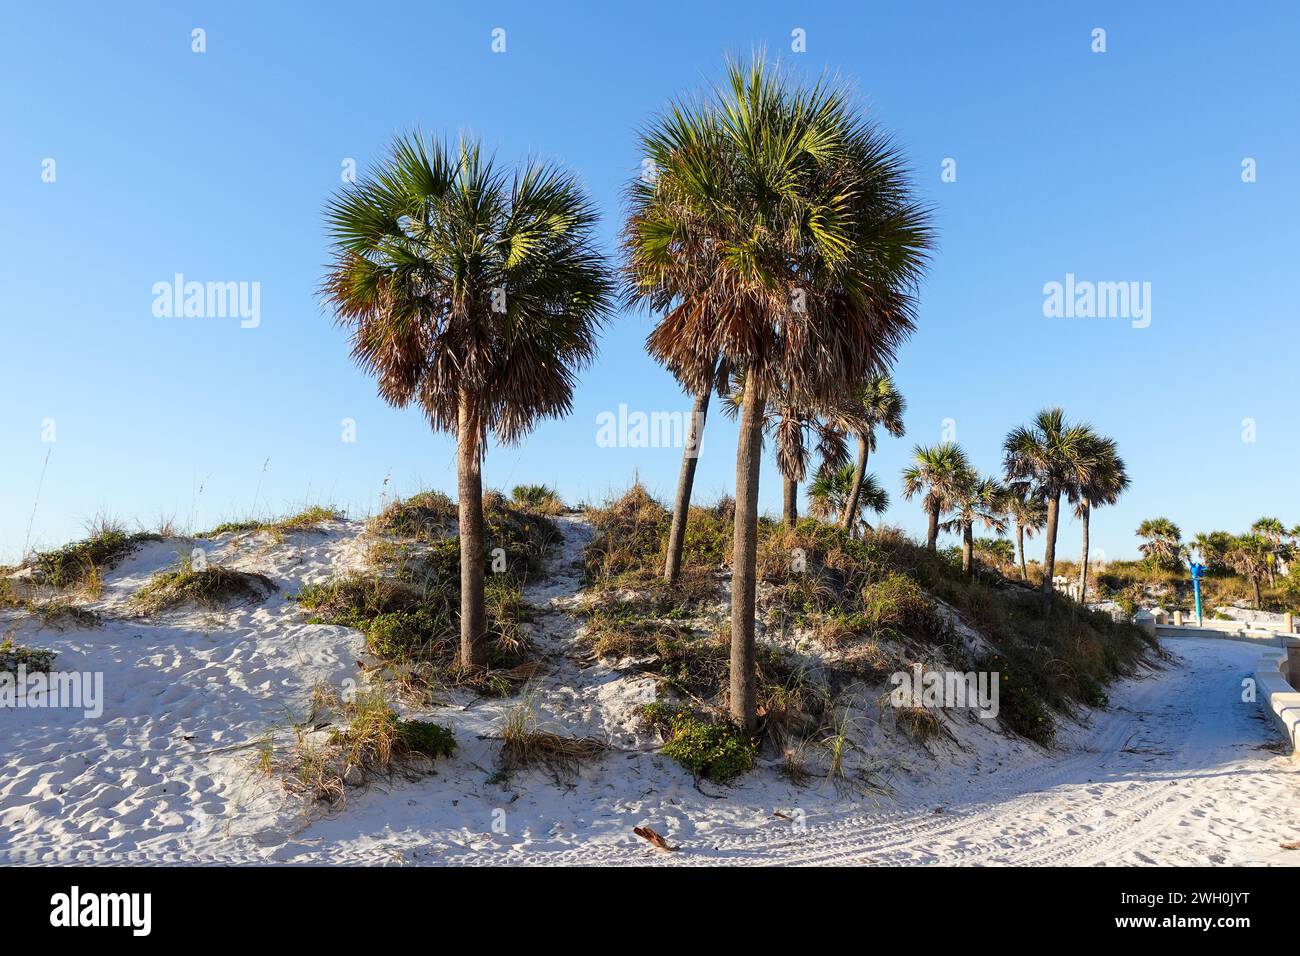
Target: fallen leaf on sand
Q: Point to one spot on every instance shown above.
(1291, 846)
(654, 839)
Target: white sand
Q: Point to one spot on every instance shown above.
(1177, 771)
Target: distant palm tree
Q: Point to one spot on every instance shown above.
(1250, 556)
(876, 403)
(1273, 531)
(1163, 542)
(1054, 457)
(1104, 485)
(795, 226)
(1213, 546)
(794, 428)
(476, 293)
(937, 473)
(976, 501)
(830, 490)
(1028, 511)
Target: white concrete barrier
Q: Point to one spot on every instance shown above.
(1218, 634)
(1279, 699)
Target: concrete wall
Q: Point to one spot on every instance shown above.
(1279, 699)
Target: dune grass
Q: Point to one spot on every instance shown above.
(408, 604)
(373, 742)
(310, 519)
(213, 586)
(107, 544)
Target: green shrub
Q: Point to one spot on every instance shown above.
(717, 752)
(13, 656)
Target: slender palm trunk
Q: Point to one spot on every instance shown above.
(790, 509)
(1020, 543)
(749, 450)
(932, 533)
(1259, 599)
(967, 547)
(685, 482)
(1083, 563)
(1049, 547)
(850, 515)
(469, 479)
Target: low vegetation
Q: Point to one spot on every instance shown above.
(374, 741)
(407, 604)
(106, 546)
(31, 659)
(873, 604)
(311, 519)
(525, 744)
(212, 586)
(541, 499)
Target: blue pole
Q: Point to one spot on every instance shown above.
(1196, 588)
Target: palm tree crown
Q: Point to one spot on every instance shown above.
(462, 283)
(1163, 541)
(937, 473)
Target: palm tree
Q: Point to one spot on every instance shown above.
(1213, 546)
(1250, 556)
(792, 220)
(877, 403)
(1162, 544)
(937, 473)
(686, 479)
(976, 501)
(1028, 511)
(475, 293)
(830, 490)
(1108, 481)
(1054, 457)
(1273, 531)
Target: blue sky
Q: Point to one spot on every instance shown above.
(1117, 166)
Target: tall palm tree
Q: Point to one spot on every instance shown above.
(1273, 531)
(937, 473)
(976, 501)
(1055, 458)
(876, 403)
(1250, 556)
(1028, 512)
(794, 220)
(1108, 480)
(1163, 542)
(476, 293)
(830, 490)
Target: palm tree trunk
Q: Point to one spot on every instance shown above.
(849, 517)
(469, 479)
(1020, 542)
(1259, 599)
(932, 533)
(1049, 546)
(1083, 564)
(744, 555)
(790, 509)
(967, 547)
(685, 482)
